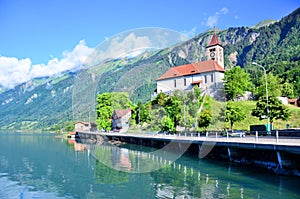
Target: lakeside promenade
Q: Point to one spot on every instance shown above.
(279, 154)
(290, 144)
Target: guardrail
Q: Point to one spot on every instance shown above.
(275, 135)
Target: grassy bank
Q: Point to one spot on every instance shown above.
(247, 107)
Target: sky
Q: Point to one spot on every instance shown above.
(41, 38)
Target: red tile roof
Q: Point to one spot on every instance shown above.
(214, 40)
(121, 113)
(193, 68)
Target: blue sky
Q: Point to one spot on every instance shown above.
(36, 33)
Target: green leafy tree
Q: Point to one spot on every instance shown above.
(142, 113)
(274, 86)
(104, 111)
(156, 115)
(297, 87)
(160, 99)
(188, 104)
(197, 91)
(180, 107)
(236, 82)
(167, 124)
(204, 119)
(288, 90)
(233, 113)
(173, 107)
(277, 110)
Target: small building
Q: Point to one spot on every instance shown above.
(120, 120)
(85, 126)
(295, 102)
(283, 100)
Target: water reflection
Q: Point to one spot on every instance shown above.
(34, 166)
(184, 178)
(134, 160)
(77, 145)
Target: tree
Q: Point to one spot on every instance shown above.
(173, 107)
(204, 119)
(156, 115)
(197, 91)
(104, 111)
(167, 124)
(277, 110)
(142, 114)
(288, 90)
(274, 86)
(297, 86)
(233, 113)
(236, 82)
(159, 99)
(180, 107)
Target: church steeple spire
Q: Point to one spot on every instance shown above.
(214, 40)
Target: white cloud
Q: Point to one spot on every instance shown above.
(213, 20)
(120, 47)
(224, 11)
(14, 71)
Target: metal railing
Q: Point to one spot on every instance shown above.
(221, 134)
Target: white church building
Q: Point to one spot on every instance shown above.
(208, 75)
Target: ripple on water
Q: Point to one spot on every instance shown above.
(12, 189)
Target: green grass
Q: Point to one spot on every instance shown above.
(58, 79)
(247, 107)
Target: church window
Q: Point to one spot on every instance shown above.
(174, 83)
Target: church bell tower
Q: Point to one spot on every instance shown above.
(215, 50)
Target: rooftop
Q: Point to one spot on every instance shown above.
(214, 40)
(121, 113)
(193, 68)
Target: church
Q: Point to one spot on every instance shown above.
(207, 75)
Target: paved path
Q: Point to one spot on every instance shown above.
(267, 140)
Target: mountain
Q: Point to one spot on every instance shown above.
(44, 102)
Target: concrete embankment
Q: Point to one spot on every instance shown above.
(281, 156)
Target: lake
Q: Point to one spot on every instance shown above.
(42, 166)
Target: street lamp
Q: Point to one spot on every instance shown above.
(267, 97)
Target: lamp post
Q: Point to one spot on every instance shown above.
(267, 97)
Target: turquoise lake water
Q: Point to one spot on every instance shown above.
(42, 166)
